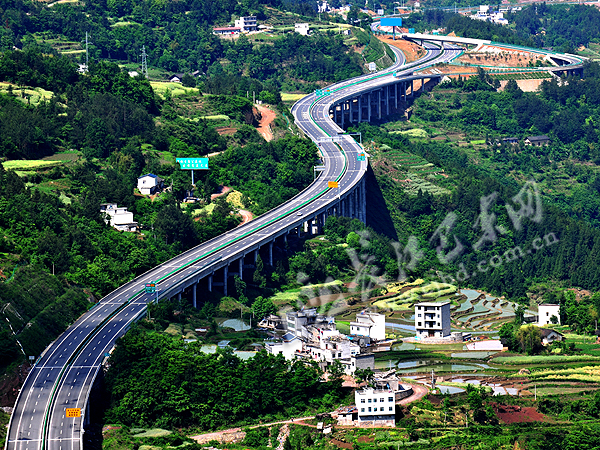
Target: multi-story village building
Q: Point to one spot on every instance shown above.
(432, 319)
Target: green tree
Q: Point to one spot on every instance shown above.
(263, 307)
(259, 277)
(530, 339)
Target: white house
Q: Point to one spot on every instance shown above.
(333, 347)
(369, 324)
(227, 30)
(549, 336)
(149, 184)
(118, 217)
(545, 313)
(247, 23)
(376, 407)
(432, 319)
(302, 28)
(297, 322)
(289, 345)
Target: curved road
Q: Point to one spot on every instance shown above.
(65, 372)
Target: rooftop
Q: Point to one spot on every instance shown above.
(432, 303)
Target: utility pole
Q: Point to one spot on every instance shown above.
(87, 53)
(144, 62)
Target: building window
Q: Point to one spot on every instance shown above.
(419, 324)
(391, 409)
(369, 400)
(419, 315)
(362, 400)
(374, 400)
(362, 409)
(390, 399)
(369, 409)
(339, 355)
(381, 400)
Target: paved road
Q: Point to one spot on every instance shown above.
(66, 370)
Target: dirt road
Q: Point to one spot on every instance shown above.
(236, 434)
(419, 391)
(224, 190)
(246, 216)
(264, 126)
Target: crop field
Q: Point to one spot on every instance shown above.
(176, 89)
(590, 374)
(522, 76)
(286, 97)
(27, 95)
(30, 164)
(537, 359)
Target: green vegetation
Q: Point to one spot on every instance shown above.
(546, 359)
(159, 380)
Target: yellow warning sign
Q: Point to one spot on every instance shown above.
(73, 412)
(332, 184)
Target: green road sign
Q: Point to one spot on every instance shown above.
(193, 163)
(150, 288)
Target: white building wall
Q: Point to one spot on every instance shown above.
(432, 320)
(545, 313)
(302, 28)
(369, 324)
(376, 406)
(288, 349)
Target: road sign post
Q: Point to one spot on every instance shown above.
(150, 288)
(192, 164)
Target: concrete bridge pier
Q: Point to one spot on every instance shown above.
(387, 100)
(360, 108)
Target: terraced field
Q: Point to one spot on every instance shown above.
(472, 311)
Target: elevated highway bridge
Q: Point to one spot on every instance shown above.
(64, 374)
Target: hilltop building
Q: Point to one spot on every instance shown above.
(302, 28)
(537, 141)
(246, 24)
(118, 217)
(149, 184)
(228, 31)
